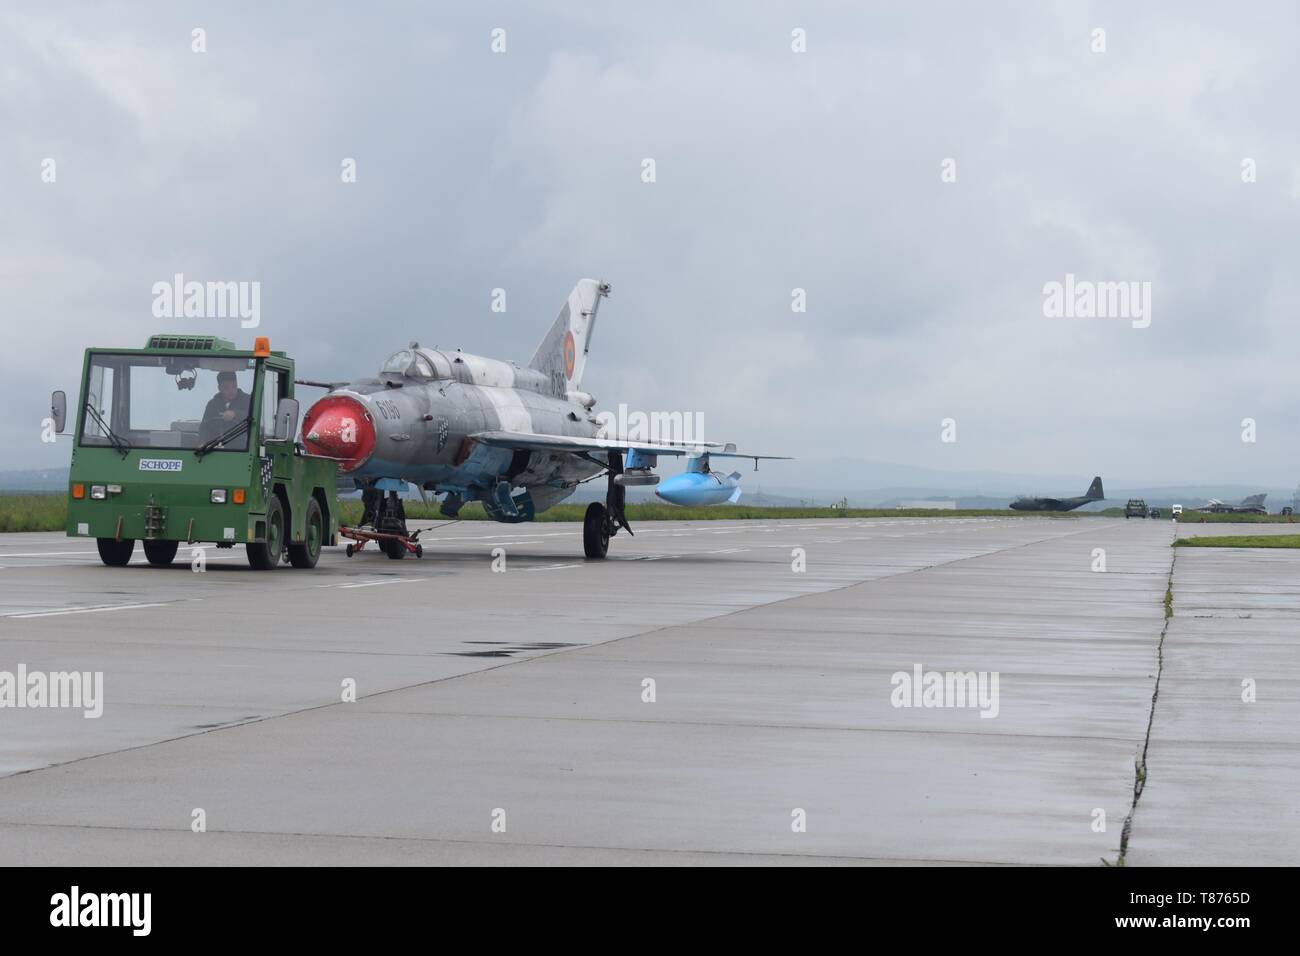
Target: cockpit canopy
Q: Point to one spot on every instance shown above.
(409, 362)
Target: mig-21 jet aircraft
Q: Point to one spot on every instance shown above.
(518, 440)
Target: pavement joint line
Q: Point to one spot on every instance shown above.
(504, 843)
(743, 725)
(1140, 764)
(507, 663)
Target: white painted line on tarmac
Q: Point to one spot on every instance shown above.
(82, 610)
(371, 584)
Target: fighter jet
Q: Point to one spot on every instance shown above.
(1252, 505)
(1061, 504)
(518, 440)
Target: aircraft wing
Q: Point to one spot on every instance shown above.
(578, 445)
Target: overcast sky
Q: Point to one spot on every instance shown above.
(775, 170)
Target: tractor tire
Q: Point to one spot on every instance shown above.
(265, 555)
(115, 553)
(160, 553)
(306, 554)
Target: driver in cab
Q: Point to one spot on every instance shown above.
(227, 407)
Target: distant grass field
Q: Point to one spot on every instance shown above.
(1241, 541)
(33, 512)
(1190, 517)
(49, 513)
(658, 512)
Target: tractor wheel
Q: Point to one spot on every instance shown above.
(595, 531)
(306, 555)
(264, 555)
(115, 553)
(160, 553)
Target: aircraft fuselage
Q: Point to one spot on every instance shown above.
(1050, 504)
(415, 427)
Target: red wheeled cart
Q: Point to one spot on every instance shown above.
(396, 546)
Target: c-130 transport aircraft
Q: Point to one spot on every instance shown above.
(477, 429)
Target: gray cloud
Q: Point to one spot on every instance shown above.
(775, 171)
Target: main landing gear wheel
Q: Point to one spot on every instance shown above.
(306, 554)
(160, 553)
(264, 555)
(595, 531)
(115, 553)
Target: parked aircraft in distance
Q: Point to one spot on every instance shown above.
(1251, 505)
(1061, 504)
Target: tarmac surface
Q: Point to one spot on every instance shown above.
(505, 716)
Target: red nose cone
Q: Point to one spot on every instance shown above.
(339, 427)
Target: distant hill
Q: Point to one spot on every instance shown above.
(828, 483)
(39, 480)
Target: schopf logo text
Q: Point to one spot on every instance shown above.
(160, 464)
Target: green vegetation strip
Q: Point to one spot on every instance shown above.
(49, 513)
(1241, 541)
(1196, 517)
(33, 512)
(658, 512)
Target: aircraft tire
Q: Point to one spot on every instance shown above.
(595, 531)
(394, 549)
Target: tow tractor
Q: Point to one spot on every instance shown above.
(190, 440)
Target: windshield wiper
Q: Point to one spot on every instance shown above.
(119, 443)
(221, 439)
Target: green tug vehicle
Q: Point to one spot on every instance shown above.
(191, 440)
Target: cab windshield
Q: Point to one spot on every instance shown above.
(166, 401)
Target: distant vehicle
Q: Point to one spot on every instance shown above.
(1154, 513)
(1061, 504)
(1136, 508)
(1252, 505)
(1287, 511)
(1177, 510)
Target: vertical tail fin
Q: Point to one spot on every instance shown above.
(563, 353)
(1094, 490)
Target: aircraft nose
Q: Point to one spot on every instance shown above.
(339, 426)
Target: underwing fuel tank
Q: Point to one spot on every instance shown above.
(697, 486)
